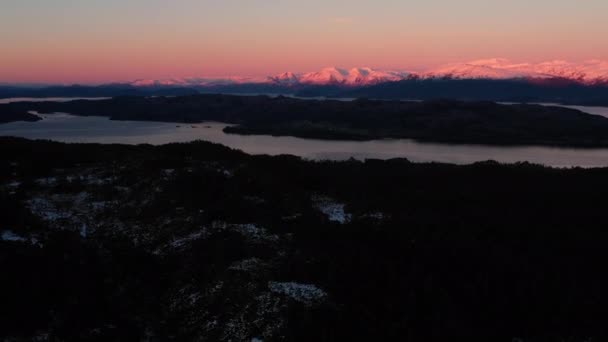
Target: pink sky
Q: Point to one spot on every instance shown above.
(109, 41)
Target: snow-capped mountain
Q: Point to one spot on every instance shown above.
(589, 72)
(330, 75)
(491, 68)
(197, 81)
(334, 75)
(594, 71)
(286, 78)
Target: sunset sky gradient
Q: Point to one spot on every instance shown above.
(69, 41)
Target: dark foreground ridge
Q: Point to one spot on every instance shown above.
(200, 242)
(438, 121)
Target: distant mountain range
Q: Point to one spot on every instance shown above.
(326, 76)
(484, 80)
(333, 75)
(590, 72)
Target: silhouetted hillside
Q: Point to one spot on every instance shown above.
(200, 242)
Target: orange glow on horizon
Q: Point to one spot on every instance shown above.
(114, 41)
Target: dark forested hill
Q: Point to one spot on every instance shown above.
(200, 242)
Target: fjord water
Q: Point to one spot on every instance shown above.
(69, 128)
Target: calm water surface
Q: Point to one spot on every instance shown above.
(69, 128)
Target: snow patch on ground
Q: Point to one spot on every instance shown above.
(291, 217)
(168, 172)
(8, 235)
(48, 181)
(246, 265)
(248, 230)
(47, 210)
(101, 205)
(262, 318)
(254, 232)
(181, 242)
(84, 230)
(12, 187)
(186, 296)
(67, 211)
(13, 184)
(332, 209)
(304, 293)
(91, 179)
(227, 173)
(94, 180)
(57, 207)
(379, 216)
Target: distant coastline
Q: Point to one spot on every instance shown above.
(560, 91)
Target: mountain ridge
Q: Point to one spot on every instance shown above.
(589, 72)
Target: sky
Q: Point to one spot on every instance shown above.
(95, 41)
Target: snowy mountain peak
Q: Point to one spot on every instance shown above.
(589, 72)
(336, 75)
(286, 78)
(592, 71)
(196, 81)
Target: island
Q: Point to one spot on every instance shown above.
(447, 121)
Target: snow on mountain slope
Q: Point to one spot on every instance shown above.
(496, 68)
(589, 72)
(334, 75)
(197, 81)
(593, 71)
(330, 75)
(286, 78)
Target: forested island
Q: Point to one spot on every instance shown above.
(200, 242)
(437, 121)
